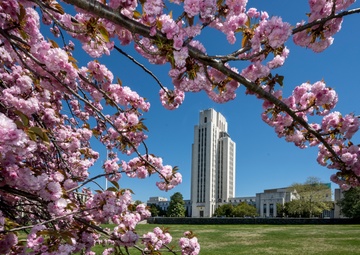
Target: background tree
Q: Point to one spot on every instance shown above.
(350, 203)
(240, 210)
(176, 206)
(226, 210)
(314, 198)
(243, 209)
(295, 208)
(137, 202)
(154, 210)
(281, 210)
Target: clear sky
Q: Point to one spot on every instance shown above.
(263, 161)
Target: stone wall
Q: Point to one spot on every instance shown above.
(272, 221)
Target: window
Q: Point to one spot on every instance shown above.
(271, 209)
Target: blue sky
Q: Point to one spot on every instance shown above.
(263, 160)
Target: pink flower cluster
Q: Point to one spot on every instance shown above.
(337, 130)
(273, 31)
(189, 244)
(142, 167)
(111, 167)
(13, 141)
(108, 205)
(307, 99)
(171, 99)
(170, 178)
(156, 239)
(319, 37)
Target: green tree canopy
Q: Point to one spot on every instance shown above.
(314, 198)
(244, 209)
(177, 206)
(350, 204)
(225, 210)
(240, 210)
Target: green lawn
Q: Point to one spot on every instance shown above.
(269, 239)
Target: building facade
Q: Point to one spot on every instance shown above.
(266, 202)
(213, 164)
(338, 195)
(237, 200)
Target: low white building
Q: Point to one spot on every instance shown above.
(266, 202)
(162, 202)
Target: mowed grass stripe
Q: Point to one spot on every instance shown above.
(271, 239)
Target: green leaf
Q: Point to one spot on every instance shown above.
(116, 184)
(41, 133)
(31, 135)
(280, 80)
(104, 33)
(53, 43)
(119, 81)
(137, 15)
(22, 14)
(112, 189)
(23, 117)
(59, 8)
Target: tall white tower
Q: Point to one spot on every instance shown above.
(213, 164)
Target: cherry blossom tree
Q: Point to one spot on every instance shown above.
(51, 109)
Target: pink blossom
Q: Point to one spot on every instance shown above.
(180, 57)
(56, 59)
(255, 71)
(154, 7)
(191, 7)
(349, 158)
(156, 239)
(321, 45)
(236, 6)
(253, 13)
(350, 125)
(207, 8)
(12, 139)
(169, 27)
(264, 15)
(189, 244)
(171, 99)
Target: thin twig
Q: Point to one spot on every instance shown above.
(141, 66)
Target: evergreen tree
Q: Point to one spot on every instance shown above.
(177, 206)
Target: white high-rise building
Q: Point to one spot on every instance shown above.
(213, 164)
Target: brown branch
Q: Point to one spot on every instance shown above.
(323, 20)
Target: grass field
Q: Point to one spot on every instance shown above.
(269, 239)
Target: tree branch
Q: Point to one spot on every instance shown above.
(323, 20)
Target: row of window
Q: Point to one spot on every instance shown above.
(201, 180)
